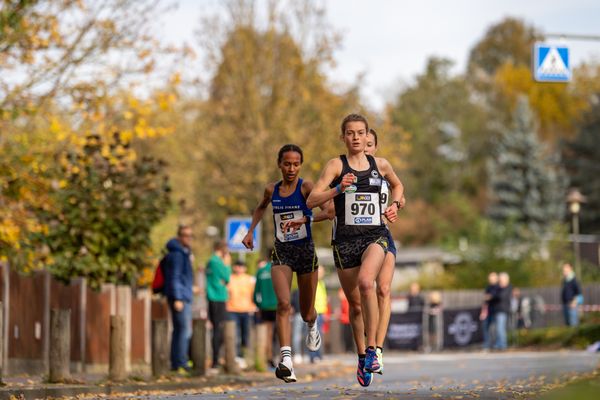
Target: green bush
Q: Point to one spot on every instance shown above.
(564, 336)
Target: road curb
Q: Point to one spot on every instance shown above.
(49, 390)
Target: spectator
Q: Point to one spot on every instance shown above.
(570, 295)
(434, 314)
(500, 304)
(486, 316)
(240, 305)
(266, 301)
(344, 317)
(415, 300)
(218, 273)
(321, 308)
(179, 290)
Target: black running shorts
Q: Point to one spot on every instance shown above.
(301, 257)
(348, 253)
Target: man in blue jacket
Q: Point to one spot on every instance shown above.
(570, 295)
(179, 290)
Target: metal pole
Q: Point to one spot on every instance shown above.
(576, 246)
(572, 36)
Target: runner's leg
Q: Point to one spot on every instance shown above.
(307, 288)
(372, 261)
(384, 282)
(349, 282)
(282, 282)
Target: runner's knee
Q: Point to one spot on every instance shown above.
(365, 286)
(284, 307)
(383, 291)
(355, 308)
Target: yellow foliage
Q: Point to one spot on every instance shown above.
(556, 105)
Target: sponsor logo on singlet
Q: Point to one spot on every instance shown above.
(286, 216)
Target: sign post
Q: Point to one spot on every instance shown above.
(551, 63)
(235, 230)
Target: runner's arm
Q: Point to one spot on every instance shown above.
(396, 188)
(307, 188)
(257, 215)
(321, 192)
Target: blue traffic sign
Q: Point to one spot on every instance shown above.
(235, 230)
(551, 63)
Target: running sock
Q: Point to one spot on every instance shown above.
(371, 348)
(361, 357)
(286, 356)
(311, 324)
(380, 348)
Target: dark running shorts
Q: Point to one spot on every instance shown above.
(348, 253)
(268, 315)
(391, 244)
(301, 257)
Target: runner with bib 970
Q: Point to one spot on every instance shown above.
(294, 251)
(360, 239)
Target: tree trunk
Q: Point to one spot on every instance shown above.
(261, 347)
(160, 347)
(198, 347)
(116, 366)
(60, 346)
(231, 366)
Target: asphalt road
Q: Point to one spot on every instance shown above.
(419, 376)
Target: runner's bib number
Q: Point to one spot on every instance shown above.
(282, 218)
(385, 193)
(362, 209)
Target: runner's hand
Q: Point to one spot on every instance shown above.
(248, 241)
(293, 225)
(391, 213)
(347, 180)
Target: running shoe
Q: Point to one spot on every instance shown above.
(285, 373)
(371, 361)
(364, 378)
(380, 359)
(313, 338)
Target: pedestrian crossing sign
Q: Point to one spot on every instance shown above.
(551, 63)
(235, 230)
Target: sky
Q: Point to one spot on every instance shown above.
(388, 42)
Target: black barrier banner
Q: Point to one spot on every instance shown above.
(462, 327)
(405, 330)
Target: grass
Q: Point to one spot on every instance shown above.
(559, 337)
(587, 388)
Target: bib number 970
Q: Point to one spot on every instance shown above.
(362, 209)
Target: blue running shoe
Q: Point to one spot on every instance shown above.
(371, 361)
(364, 378)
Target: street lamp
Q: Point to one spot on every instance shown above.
(575, 199)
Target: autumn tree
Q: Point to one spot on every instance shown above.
(443, 128)
(69, 70)
(527, 187)
(509, 41)
(582, 160)
(268, 89)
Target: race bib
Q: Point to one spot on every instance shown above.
(289, 236)
(362, 209)
(385, 195)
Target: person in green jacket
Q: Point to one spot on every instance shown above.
(218, 272)
(266, 301)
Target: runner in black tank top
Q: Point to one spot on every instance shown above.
(386, 274)
(294, 252)
(360, 243)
